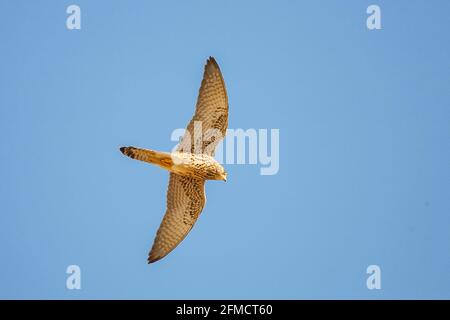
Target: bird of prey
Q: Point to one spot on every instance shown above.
(191, 164)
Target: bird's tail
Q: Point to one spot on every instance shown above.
(161, 159)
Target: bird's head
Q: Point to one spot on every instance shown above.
(220, 173)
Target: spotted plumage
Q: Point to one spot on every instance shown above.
(192, 164)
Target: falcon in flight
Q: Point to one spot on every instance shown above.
(191, 164)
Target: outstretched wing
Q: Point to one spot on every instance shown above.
(210, 121)
(185, 201)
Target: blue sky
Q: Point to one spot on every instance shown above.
(364, 149)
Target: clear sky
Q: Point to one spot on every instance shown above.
(364, 120)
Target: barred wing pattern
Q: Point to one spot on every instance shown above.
(211, 113)
(185, 202)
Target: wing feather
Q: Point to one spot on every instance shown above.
(210, 121)
(185, 202)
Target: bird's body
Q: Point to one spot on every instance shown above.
(198, 166)
(192, 164)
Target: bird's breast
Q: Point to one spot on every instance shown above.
(199, 166)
